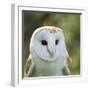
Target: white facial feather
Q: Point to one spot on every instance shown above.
(48, 51)
(51, 51)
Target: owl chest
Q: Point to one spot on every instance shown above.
(44, 68)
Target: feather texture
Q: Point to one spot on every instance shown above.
(49, 57)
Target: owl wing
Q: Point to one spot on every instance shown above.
(69, 59)
(28, 68)
(66, 70)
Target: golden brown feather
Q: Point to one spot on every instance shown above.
(69, 60)
(27, 66)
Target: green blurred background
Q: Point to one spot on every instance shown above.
(68, 22)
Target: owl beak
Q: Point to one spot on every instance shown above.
(51, 51)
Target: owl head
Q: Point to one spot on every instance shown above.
(48, 44)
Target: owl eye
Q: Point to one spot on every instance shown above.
(56, 42)
(44, 42)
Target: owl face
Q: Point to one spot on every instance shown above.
(47, 43)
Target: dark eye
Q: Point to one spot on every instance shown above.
(56, 42)
(44, 42)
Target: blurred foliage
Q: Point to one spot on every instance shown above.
(70, 23)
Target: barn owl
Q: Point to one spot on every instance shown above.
(48, 53)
